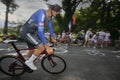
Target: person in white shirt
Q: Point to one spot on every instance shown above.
(58, 36)
(87, 37)
(94, 40)
(71, 37)
(101, 37)
(107, 39)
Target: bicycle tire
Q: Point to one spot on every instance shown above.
(59, 67)
(11, 65)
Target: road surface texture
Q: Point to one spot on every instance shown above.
(82, 64)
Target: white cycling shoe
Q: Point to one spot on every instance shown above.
(31, 65)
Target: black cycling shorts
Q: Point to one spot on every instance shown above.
(32, 40)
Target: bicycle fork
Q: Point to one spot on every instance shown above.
(52, 63)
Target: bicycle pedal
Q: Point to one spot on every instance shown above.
(28, 70)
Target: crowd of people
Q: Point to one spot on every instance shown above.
(84, 38)
(100, 38)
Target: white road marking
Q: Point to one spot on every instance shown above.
(116, 51)
(2, 49)
(95, 52)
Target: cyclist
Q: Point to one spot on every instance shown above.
(33, 32)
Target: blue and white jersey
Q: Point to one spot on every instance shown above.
(39, 19)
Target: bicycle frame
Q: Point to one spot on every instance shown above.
(18, 51)
(20, 55)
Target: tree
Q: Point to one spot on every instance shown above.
(11, 6)
(102, 14)
(69, 6)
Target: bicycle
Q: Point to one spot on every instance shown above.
(15, 65)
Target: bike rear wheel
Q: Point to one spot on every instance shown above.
(53, 64)
(11, 65)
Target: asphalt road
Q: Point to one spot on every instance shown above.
(82, 64)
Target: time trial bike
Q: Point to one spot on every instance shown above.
(14, 65)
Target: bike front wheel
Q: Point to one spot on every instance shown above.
(11, 65)
(53, 64)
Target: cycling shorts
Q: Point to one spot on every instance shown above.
(31, 40)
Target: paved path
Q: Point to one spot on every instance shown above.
(82, 64)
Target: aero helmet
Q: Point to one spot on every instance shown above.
(55, 7)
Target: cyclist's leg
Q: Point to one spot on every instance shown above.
(30, 52)
(34, 41)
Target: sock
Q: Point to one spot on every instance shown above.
(32, 58)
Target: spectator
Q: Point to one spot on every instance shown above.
(107, 39)
(87, 37)
(101, 37)
(94, 40)
(80, 37)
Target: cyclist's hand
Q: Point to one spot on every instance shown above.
(49, 49)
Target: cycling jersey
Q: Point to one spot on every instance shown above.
(35, 25)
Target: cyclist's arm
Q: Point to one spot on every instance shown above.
(40, 22)
(50, 27)
(51, 30)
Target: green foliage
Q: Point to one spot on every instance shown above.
(69, 6)
(101, 14)
(11, 31)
